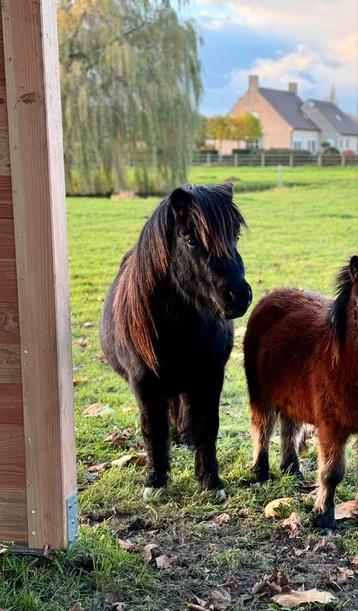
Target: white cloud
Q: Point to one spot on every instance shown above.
(324, 40)
(306, 66)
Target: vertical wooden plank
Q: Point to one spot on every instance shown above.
(36, 155)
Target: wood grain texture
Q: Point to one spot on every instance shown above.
(5, 198)
(10, 365)
(35, 131)
(13, 515)
(9, 324)
(11, 404)
(8, 281)
(7, 239)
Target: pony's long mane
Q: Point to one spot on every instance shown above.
(217, 223)
(338, 314)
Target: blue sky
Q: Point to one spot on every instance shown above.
(313, 42)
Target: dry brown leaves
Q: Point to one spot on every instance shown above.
(277, 587)
(80, 380)
(347, 510)
(272, 509)
(146, 551)
(219, 600)
(119, 438)
(76, 607)
(296, 598)
(276, 583)
(293, 525)
(339, 576)
(83, 342)
(103, 466)
(138, 458)
(96, 409)
(166, 562)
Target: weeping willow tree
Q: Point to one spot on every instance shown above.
(131, 82)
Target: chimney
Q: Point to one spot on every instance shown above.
(293, 87)
(253, 82)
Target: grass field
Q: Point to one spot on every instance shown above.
(299, 235)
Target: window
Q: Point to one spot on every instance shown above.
(311, 145)
(297, 143)
(347, 143)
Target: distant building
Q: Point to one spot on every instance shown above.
(337, 128)
(288, 122)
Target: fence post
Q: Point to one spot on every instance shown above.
(262, 159)
(291, 160)
(220, 159)
(236, 160)
(343, 160)
(319, 159)
(208, 159)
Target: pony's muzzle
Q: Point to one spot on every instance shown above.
(237, 300)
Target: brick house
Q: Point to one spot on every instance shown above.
(289, 123)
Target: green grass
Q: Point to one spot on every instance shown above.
(298, 236)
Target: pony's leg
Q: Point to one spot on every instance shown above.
(204, 415)
(331, 472)
(180, 417)
(154, 422)
(290, 430)
(262, 423)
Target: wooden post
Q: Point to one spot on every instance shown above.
(38, 205)
(262, 159)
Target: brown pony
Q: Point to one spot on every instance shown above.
(301, 361)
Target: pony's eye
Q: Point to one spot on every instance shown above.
(191, 241)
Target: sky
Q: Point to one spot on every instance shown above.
(312, 42)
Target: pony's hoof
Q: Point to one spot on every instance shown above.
(221, 496)
(149, 492)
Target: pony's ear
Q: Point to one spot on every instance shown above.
(180, 199)
(353, 268)
(229, 188)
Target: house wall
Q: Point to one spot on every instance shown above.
(306, 137)
(328, 133)
(348, 143)
(276, 132)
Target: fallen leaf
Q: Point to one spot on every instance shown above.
(103, 466)
(220, 598)
(292, 525)
(139, 458)
(147, 551)
(223, 518)
(296, 598)
(76, 607)
(198, 604)
(339, 576)
(165, 562)
(80, 380)
(87, 325)
(346, 510)
(128, 545)
(272, 584)
(119, 439)
(83, 342)
(96, 409)
(3, 550)
(354, 563)
(271, 509)
(118, 606)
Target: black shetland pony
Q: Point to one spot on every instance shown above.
(301, 362)
(167, 327)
